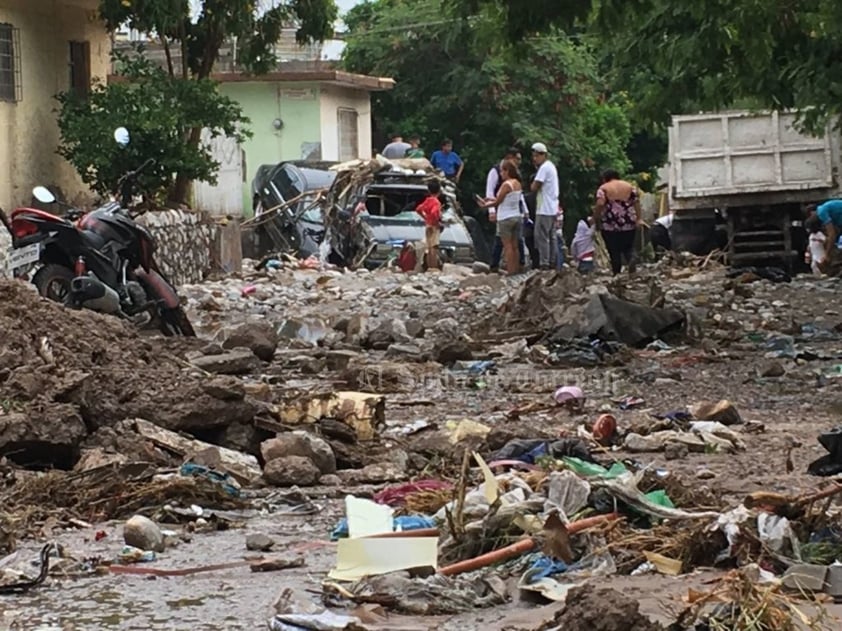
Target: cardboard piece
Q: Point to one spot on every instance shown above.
(357, 558)
(366, 518)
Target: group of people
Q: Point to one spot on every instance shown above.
(445, 159)
(507, 208)
(617, 215)
(617, 212)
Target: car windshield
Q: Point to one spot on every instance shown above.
(392, 200)
(288, 182)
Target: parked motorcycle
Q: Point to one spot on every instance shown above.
(102, 260)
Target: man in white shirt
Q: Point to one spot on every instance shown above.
(396, 149)
(547, 208)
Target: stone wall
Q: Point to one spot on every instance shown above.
(5, 244)
(184, 242)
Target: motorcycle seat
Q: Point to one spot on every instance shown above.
(40, 214)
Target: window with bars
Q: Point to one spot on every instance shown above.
(9, 63)
(80, 68)
(349, 137)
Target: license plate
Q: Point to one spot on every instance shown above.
(26, 255)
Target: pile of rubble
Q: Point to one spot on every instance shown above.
(552, 429)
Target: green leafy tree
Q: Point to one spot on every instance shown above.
(675, 57)
(196, 33)
(159, 110)
(457, 77)
(716, 53)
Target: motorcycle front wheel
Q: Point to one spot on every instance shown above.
(53, 282)
(174, 322)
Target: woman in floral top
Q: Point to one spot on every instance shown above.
(618, 216)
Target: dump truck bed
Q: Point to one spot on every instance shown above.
(742, 155)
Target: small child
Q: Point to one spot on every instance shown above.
(430, 211)
(815, 252)
(582, 248)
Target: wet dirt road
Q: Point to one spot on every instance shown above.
(792, 407)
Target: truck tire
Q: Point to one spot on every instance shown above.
(694, 233)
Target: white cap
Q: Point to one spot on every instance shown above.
(539, 147)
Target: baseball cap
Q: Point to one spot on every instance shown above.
(539, 147)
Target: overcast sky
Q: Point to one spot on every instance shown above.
(344, 5)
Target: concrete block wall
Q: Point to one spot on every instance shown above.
(184, 241)
(5, 244)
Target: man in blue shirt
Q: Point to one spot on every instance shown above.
(830, 215)
(448, 161)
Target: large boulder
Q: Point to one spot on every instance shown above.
(302, 444)
(49, 438)
(260, 337)
(385, 334)
(141, 532)
(291, 471)
(447, 351)
(239, 361)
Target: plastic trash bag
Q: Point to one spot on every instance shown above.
(831, 463)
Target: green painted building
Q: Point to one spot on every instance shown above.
(295, 115)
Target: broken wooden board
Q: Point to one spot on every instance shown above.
(364, 411)
(242, 467)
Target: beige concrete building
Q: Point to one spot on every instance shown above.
(46, 47)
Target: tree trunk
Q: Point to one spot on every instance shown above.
(168, 53)
(182, 182)
(210, 54)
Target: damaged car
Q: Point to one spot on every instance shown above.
(370, 212)
(366, 209)
(285, 199)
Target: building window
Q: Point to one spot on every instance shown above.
(9, 63)
(80, 69)
(349, 136)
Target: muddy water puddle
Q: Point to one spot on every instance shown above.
(235, 599)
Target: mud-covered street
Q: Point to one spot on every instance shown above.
(306, 386)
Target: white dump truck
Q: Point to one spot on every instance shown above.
(747, 175)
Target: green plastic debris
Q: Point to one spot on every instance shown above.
(660, 498)
(591, 470)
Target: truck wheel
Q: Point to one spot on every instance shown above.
(693, 233)
(53, 282)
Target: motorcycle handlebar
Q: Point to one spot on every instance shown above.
(124, 184)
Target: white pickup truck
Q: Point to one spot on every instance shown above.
(757, 170)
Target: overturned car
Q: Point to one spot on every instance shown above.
(359, 213)
(285, 200)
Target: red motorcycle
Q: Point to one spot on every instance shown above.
(102, 260)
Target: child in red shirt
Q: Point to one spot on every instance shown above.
(430, 211)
